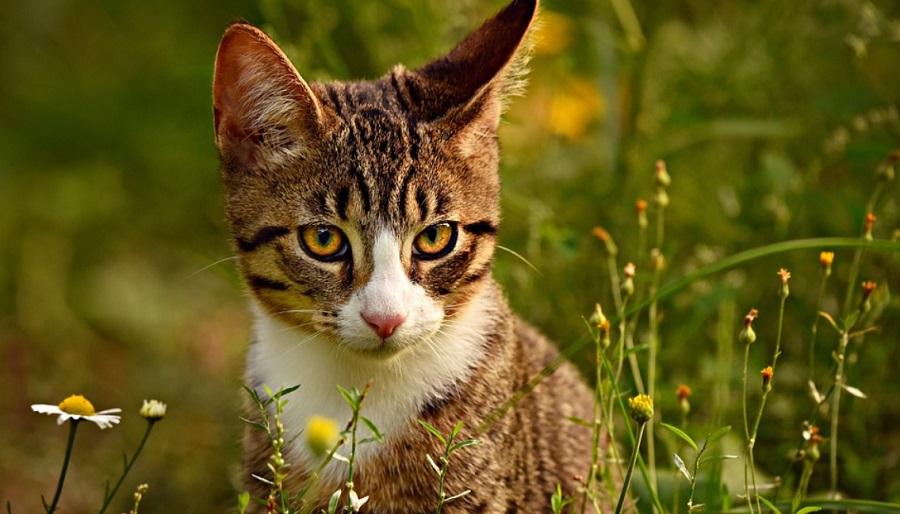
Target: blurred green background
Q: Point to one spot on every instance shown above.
(114, 283)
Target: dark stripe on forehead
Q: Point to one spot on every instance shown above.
(336, 102)
(343, 198)
(443, 203)
(322, 202)
(363, 188)
(422, 201)
(348, 98)
(263, 236)
(404, 190)
(401, 100)
(480, 227)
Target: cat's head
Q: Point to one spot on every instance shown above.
(366, 211)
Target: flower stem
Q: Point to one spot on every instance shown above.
(62, 474)
(838, 385)
(128, 465)
(596, 424)
(634, 455)
(746, 430)
(815, 330)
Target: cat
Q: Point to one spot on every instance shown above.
(365, 219)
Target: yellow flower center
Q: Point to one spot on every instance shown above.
(77, 405)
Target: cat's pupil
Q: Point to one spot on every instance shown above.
(325, 236)
(431, 233)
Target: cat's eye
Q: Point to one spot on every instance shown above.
(435, 241)
(323, 242)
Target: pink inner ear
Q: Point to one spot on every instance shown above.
(256, 90)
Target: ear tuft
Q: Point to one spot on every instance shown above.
(264, 112)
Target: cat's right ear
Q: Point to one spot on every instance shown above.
(264, 112)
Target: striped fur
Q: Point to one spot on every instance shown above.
(370, 166)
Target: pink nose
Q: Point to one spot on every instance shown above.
(384, 325)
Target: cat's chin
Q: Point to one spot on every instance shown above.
(384, 351)
(381, 349)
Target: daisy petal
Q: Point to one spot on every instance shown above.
(43, 408)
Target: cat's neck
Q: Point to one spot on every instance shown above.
(401, 386)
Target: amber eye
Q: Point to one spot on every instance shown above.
(323, 242)
(435, 241)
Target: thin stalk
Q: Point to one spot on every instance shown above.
(835, 409)
(73, 425)
(815, 329)
(802, 485)
(746, 430)
(623, 335)
(598, 405)
(634, 456)
(762, 405)
(441, 494)
(128, 465)
(653, 323)
(614, 283)
(854, 276)
(858, 254)
(619, 398)
(354, 424)
(651, 371)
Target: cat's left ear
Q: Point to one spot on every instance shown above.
(482, 70)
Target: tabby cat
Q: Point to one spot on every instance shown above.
(365, 219)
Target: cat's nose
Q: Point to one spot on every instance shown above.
(384, 324)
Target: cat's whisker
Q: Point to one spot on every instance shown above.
(304, 311)
(521, 258)
(208, 266)
(302, 342)
(300, 325)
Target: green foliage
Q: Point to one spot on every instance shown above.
(451, 446)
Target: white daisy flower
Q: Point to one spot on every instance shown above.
(77, 407)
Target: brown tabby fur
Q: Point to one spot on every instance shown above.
(397, 153)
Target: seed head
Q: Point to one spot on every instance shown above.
(867, 288)
(747, 335)
(153, 410)
(598, 318)
(867, 226)
(785, 276)
(767, 374)
(683, 392)
(825, 259)
(661, 176)
(628, 283)
(641, 408)
(607, 240)
(641, 207)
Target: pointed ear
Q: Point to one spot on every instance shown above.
(485, 67)
(264, 112)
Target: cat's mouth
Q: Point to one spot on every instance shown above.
(384, 349)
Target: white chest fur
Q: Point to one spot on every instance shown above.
(401, 384)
